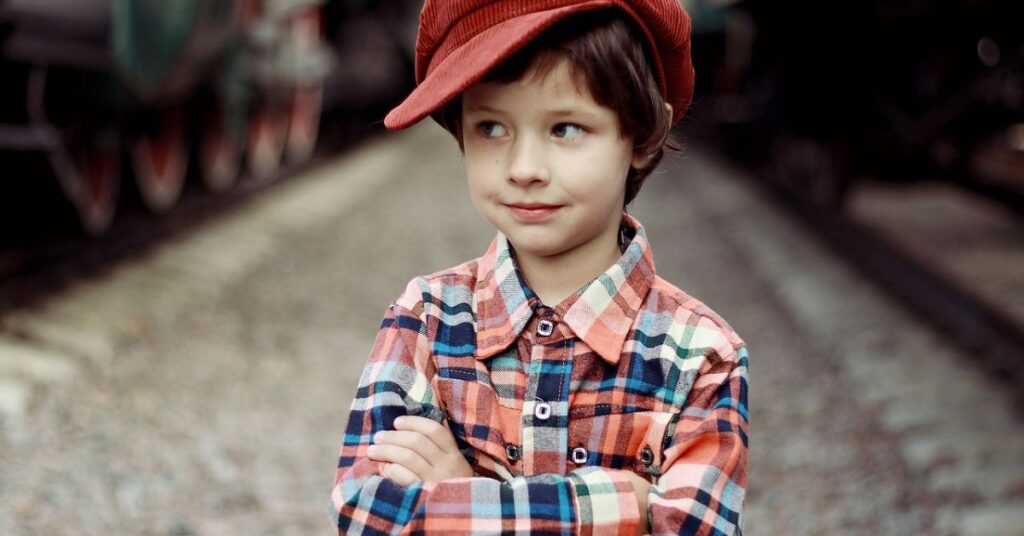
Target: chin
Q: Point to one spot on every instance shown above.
(537, 249)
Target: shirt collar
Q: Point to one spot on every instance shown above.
(601, 313)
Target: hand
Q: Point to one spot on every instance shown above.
(641, 487)
(419, 449)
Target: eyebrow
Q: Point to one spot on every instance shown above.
(482, 108)
(557, 112)
(570, 112)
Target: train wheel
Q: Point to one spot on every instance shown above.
(267, 136)
(307, 99)
(220, 154)
(160, 161)
(91, 179)
(304, 123)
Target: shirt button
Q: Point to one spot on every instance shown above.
(542, 410)
(545, 328)
(647, 456)
(579, 455)
(512, 452)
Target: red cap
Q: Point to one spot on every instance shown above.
(460, 41)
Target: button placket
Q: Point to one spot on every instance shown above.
(544, 406)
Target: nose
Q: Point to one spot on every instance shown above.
(527, 163)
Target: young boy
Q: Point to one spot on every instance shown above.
(554, 385)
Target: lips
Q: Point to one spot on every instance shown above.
(532, 212)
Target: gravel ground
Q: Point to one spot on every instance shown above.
(201, 388)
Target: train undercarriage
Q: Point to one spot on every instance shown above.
(118, 92)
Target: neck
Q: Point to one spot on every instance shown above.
(556, 277)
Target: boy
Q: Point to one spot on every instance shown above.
(555, 384)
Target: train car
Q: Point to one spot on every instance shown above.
(149, 89)
(892, 89)
(374, 43)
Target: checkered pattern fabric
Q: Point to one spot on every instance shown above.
(552, 405)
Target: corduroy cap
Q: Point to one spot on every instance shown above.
(460, 41)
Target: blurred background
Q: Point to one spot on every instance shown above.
(202, 223)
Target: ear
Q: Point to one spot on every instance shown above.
(640, 160)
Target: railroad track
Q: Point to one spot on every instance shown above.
(957, 312)
(31, 272)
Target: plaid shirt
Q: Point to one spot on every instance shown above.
(551, 406)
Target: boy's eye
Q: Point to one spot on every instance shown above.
(490, 129)
(567, 131)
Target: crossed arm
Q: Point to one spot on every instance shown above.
(422, 450)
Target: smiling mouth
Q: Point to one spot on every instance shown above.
(532, 212)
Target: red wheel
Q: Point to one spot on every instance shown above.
(304, 123)
(220, 154)
(307, 99)
(91, 180)
(267, 134)
(160, 161)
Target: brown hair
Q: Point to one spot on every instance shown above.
(606, 53)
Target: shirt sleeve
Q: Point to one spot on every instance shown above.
(704, 472)
(397, 381)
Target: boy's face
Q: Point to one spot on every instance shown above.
(546, 164)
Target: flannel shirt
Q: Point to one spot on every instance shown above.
(551, 405)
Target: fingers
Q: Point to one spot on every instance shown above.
(408, 458)
(419, 449)
(414, 441)
(432, 437)
(399, 474)
(439, 435)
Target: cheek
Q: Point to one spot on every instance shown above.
(597, 177)
(481, 165)
(476, 193)
(475, 175)
(481, 192)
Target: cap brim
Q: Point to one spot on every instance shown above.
(472, 61)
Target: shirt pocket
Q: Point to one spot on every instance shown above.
(475, 415)
(627, 438)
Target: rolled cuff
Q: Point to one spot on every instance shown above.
(605, 501)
